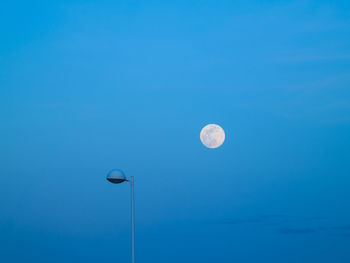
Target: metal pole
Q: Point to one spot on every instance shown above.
(132, 221)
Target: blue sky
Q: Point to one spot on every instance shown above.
(88, 86)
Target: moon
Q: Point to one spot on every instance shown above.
(212, 136)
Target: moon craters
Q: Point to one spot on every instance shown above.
(212, 136)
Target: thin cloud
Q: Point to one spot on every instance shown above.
(256, 219)
(293, 231)
(291, 225)
(270, 219)
(313, 59)
(337, 228)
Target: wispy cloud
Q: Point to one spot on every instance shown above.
(293, 230)
(312, 58)
(291, 225)
(337, 228)
(255, 219)
(269, 219)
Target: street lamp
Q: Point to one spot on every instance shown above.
(117, 176)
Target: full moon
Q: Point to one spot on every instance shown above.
(212, 136)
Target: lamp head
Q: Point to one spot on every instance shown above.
(116, 176)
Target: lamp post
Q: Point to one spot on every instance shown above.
(117, 176)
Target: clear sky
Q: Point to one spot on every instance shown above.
(87, 86)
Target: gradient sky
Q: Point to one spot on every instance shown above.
(87, 86)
